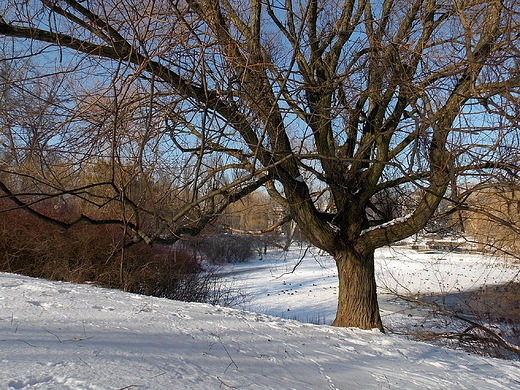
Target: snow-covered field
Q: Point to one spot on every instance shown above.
(63, 336)
(284, 285)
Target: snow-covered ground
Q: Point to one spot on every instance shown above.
(62, 336)
(301, 284)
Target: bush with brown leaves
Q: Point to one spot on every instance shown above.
(97, 254)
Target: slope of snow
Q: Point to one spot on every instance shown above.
(62, 336)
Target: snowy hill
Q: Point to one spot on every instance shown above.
(62, 336)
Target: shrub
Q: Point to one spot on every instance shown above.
(96, 254)
(227, 248)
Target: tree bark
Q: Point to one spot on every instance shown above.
(357, 298)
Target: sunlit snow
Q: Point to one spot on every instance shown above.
(63, 336)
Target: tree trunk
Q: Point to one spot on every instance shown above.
(357, 296)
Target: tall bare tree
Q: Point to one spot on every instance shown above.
(318, 99)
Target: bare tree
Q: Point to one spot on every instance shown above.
(329, 104)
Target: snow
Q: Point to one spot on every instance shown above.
(56, 335)
(394, 221)
(284, 285)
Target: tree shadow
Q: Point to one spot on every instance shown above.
(491, 303)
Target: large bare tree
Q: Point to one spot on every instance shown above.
(327, 103)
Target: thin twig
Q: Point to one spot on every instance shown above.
(494, 337)
(225, 349)
(296, 265)
(55, 335)
(225, 384)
